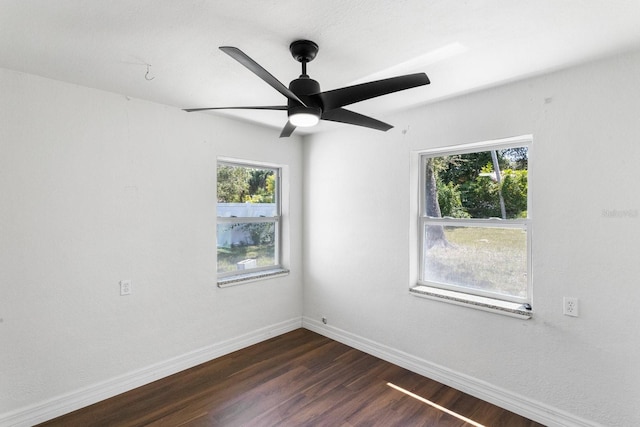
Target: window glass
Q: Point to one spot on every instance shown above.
(248, 211)
(242, 246)
(474, 222)
(245, 191)
(485, 184)
(491, 259)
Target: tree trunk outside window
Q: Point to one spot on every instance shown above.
(496, 168)
(435, 233)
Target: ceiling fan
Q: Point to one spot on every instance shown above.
(306, 105)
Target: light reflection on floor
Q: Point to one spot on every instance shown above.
(435, 405)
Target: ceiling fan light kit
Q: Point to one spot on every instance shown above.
(304, 117)
(307, 105)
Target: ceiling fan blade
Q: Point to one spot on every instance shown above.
(348, 95)
(287, 130)
(268, 107)
(346, 116)
(257, 69)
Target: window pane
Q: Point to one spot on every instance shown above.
(242, 246)
(488, 259)
(246, 191)
(486, 184)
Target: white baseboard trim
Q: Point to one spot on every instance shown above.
(519, 404)
(72, 401)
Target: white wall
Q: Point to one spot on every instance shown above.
(586, 127)
(97, 188)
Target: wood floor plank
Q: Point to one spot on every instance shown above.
(296, 379)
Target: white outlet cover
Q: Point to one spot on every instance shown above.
(570, 306)
(125, 287)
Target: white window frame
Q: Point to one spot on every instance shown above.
(237, 277)
(503, 304)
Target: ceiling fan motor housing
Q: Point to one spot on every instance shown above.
(300, 115)
(303, 87)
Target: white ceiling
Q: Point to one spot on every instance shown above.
(462, 45)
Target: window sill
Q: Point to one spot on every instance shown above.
(506, 308)
(240, 279)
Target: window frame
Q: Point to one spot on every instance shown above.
(508, 304)
(235, 277)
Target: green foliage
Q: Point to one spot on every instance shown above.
(463, 168)
(233, 184)
(514, 191)
(517, 157)
(260, 233)
(467, 186)
(265, 192)
(271, 186)
(238, 184)
(481, 198)
(450, 202)
(258, 180)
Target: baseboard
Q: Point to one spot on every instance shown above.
(519, 404)
(64, 404)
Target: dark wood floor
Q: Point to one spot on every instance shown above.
(297, 379)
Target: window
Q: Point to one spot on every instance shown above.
(474, 229)
(248, 222)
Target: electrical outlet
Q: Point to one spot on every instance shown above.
(125, 287)
(570, 306)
